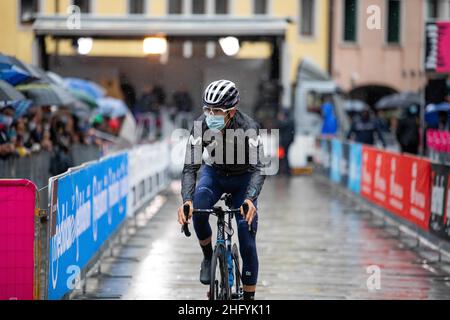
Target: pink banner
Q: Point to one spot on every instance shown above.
(17, 206)
(443, 64)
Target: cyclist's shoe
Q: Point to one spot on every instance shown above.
(205, 272)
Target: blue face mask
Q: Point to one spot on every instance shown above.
(215, 122)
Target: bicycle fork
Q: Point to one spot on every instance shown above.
(230, 265)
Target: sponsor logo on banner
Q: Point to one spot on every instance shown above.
(437, 47)
(440, 203)
(417, 208)
(368, 170)
(380, 179)
(397, 183)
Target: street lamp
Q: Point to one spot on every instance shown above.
(84, 45)
(155, 45)
(230, 45)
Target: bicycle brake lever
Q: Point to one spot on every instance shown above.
(245, 207)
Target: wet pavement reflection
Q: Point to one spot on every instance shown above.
(313, 243)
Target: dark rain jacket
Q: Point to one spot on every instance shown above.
(198, 142)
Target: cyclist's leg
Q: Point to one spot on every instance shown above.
(207, 193)
(247, 242)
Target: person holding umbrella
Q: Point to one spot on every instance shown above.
(408, 130)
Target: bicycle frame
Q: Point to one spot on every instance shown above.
(224, 237)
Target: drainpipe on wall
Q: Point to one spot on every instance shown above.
(330, 36)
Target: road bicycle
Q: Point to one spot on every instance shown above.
(226, 280)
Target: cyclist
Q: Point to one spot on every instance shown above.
(242, 179)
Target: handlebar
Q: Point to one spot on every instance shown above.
(186, 209)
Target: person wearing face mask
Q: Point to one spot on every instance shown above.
(6, 121)
(242, 179)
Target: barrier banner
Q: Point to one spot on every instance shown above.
(368, 171)
(148, 165)
(87, 205)
(417, 186)
(17, 210)
(336, 156)
(440, 199)
(355, 164)
(397, 184)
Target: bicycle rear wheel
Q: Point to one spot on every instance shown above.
(219, 288)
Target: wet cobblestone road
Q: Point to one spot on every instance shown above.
(313, 243)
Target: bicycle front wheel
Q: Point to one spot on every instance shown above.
(237, 272)
(219, 287)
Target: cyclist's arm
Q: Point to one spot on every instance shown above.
(258, 176)
(192, 163)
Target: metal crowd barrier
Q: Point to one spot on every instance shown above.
(439, 157)
(147, 175)
(413, 190)
(37, 166)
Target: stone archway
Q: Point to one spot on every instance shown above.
(371, 93)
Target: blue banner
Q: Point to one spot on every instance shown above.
(87, 206)
(336, 156)
(354, 177)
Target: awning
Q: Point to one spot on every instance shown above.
(309, 71)
(171, 26)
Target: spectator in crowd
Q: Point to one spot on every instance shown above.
(128, 91)
(19, 136)
(182, 107)
(330, 123)
(364, 128)
(407, 131)
(147, 102)
(6, 121)
(160, 95)
(35, 129)
(182, 100)
(286, 126)
(443, 123)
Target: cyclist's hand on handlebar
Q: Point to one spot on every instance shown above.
(251, 213)
(181, 217)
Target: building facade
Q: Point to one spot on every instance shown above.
(305, 36)
(378, 45)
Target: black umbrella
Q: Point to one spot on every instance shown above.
(9, 93)
(399, 101)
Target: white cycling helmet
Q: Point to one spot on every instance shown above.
(221, 94)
